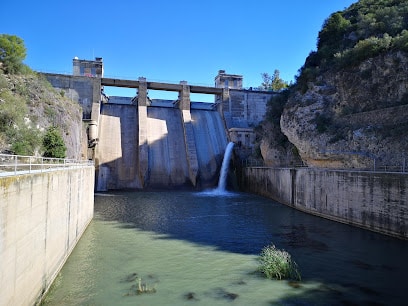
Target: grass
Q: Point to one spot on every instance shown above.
(278, 264)
(139, 288)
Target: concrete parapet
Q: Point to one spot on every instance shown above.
(42, 218)
(370, 200)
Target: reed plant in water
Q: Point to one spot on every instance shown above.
(278, 264)
(142, 288)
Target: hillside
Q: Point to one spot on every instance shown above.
(349, 106)
(28, 107)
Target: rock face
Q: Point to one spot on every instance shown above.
(41, 106)
(353, 118)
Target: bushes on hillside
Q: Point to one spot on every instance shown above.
(365, 30)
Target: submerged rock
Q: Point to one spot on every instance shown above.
(191, 296)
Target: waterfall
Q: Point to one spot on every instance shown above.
(224, 168)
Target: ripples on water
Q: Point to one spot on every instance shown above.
(202, 249)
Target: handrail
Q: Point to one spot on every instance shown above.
(17, 164)
(402, 168)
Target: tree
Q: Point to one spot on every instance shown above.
(331, 37)
(12, 53)
(54, 144)
(273, 82)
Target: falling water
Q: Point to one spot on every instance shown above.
(224, 168)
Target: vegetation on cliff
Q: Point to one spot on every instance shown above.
(273, 82)
(346, 108)
(35, 119)
(365, 30)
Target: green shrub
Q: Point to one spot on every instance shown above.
(3, 81)
(26, 141)
(363, 50)
(400, 42)
(12, 110)
(275, 107)
(278, 264)
(306, 75)
(53, 144)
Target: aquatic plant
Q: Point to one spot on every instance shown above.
(139, 287)
(143, 288)
(278, 264)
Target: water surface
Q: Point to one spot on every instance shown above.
(202, 249)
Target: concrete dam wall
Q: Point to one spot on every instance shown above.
(371, 200)
(164, 157)
(138, 143)
(42, 218)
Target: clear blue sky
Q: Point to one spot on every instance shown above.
(170, 41)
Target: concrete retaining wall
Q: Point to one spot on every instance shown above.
(374, 201)
(42, 217)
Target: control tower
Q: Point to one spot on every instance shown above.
(93, 69)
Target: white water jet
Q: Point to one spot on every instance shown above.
(224, 168)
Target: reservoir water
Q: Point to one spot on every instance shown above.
(191, 248)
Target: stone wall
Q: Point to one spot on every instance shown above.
(371, 200)
(42, 218)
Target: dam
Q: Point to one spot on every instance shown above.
(143, 143)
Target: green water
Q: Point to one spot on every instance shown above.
(189, 255)
(100, 270)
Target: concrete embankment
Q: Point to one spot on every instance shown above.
(371, 200)
(42, 217)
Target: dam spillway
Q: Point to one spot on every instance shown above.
(118, 154)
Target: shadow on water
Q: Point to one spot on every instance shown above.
(367, 264)
(225, 220)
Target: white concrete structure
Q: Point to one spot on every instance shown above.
(371, 200)
(42, 217)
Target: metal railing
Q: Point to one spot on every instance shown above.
(261, 164)
(18, 164)
(401, 167)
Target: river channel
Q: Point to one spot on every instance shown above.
(201, 248)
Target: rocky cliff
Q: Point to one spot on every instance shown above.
(28, 106)
(353, 117)
(349, 105)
